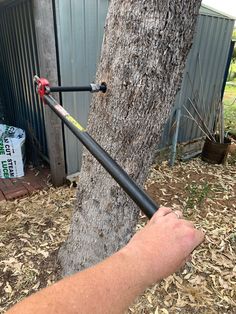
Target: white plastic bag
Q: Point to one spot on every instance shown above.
(12, 151)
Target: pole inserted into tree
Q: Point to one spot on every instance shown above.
(144, 202)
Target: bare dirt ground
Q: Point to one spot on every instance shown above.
(33, 228)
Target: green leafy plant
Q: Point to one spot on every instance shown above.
(197, 193)
(230, 108)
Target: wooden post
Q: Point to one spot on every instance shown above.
(46, 45)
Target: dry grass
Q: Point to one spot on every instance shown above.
(32, 230)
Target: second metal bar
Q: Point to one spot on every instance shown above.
(70, 89)
(93, 88)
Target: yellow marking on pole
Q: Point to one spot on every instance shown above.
(75, 123)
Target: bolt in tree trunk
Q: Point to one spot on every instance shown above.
(144, 51)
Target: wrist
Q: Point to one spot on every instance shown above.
(138, 264)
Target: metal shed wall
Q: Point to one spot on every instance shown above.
(18, 63)
(207, 10)
(2, 105)
(203, 77)
(80, 26)
(80, 31)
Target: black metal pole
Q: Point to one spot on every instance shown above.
(93, 88)
(144, 202)
(70, 89)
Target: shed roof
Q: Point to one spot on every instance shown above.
(206, 10)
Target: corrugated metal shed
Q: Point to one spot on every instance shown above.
(79, 33)
(2, 104)
(203, 76)
(206, 10)
(80, 30)
(18, 63)
(80, 26)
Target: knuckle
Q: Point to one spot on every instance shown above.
(165, 210)
(190, 235)
(177, 223)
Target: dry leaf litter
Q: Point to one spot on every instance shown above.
(206, 194)
(33, 228)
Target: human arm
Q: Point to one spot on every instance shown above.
(155, 252)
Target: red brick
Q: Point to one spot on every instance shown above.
(6, 184)
(14, 188)
(10, 189)
(2, 184)
(35, 184)
(13, 194)
(2, 197)
(29, 187)
(19, 187)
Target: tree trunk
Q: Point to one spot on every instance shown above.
(144, 51)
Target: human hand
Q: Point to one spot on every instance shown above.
(164, 245)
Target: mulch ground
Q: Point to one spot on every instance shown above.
(33, 228)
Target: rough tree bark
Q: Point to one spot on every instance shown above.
(145, 47)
